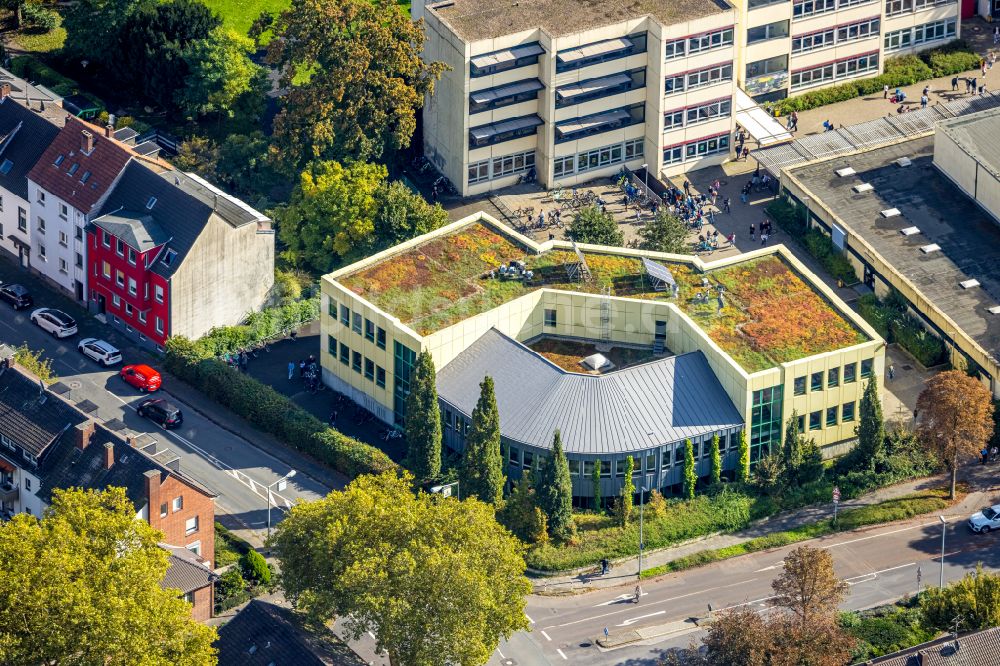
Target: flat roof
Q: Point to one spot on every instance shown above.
(978, 135)
(969, 239)
(473, 20)
(639, 407)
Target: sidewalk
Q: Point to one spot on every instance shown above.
(624, 572)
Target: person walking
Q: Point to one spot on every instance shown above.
(291, 369)
(763, 240)
(753, 232)
(885, 91)
(996, 35)
(954, 84)
(923, 101)
(302, 368)
(892, 371)
(727, 205)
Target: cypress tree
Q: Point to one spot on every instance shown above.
(423, 421)
(871, 429)
(482, 465)
(595, 479)
(716, 458)
(690, 475)
(628, 492)
(791, 449)
(743, 464)
(555, 492)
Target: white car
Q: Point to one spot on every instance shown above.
(100, 351)
(54, 321)
(988, 519)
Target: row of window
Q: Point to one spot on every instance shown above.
(600, 87)
(360, 364)
(698, 79)
(498, 167)
(598, 52)
(720, 108)
(696, 149)
(837, 35)
(506, 95)
(599, 123)
(832, 71)
(807, 8)
(895, 7)
(355, 321)
(699, 43)
(120, 280)
(834, 415)
(833, 377)
(763, 33)
(920, 34)
(598, 158)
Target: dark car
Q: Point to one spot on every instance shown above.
(160, 411)
(17, 295)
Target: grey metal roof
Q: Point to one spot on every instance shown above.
(979, 136)
(140, 232)
(633, 409)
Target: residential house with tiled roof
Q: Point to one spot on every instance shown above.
(170, 254)
(979, 648)
(189, 575)
(47, 443)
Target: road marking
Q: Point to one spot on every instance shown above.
(869, 577)
(372, 635)
(772, 567)
(628, 610)
(500, 653)
(546, 635)
(875, 536)
(562, 654)
(755, 601)
(529, 618)
(633, 620)
(620, 598)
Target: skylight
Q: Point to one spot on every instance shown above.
(73, 169)
(6, 167)
(60, 159)
(150, 203)
(85, 176)
(168, 258)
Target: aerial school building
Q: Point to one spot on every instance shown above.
(626, 352)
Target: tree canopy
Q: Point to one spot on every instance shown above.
(220, 73)
(555, 491)
(592, 225)
(81, 585)
(871, 429)
(481, 473)
(665, 233)
(975, 599)
(354, 76)
(435, 580)
(423, 421)
(808, 585)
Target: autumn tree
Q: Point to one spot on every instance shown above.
(81, 585)
(435, 580)
(555, 492)
(625, 502)
(871, 427)
(715, 457)
(354, 75)
(808, 587)
(975, 598)
(690, 473)
(955, 415)
(423, 421)
(481, 474)
(595, 226)
(737, 637)
(743, 459)
(665, 233)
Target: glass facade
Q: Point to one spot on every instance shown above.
(404, 360)
(765, 422)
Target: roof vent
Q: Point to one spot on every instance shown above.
(969, 284)
(910, 231)
(863, 187)
(597, 362)
(253, 649)
(891, 212)
(994, 310)
(846, 171)
(933, 247)
(904, 162)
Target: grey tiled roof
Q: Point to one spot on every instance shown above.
(30, 417)
(140, 232)
(981, 648)
(265, 634)
(26, 136)
(636, 408)
(186, 572)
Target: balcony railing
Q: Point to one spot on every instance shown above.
(9, 492)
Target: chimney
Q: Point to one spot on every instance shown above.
(86, 142)
(153, 495)
(108, 130)
(109, 454)
(4, 90)
(82, 434)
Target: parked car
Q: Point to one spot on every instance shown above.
(988, 519)
(142, 377)
(165, 413)
(56, 322)
(100, 351)
(17, 295)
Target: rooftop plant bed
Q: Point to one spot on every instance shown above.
(569, 354)
(769, 314)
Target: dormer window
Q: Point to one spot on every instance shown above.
(85, 177)
(60, 160)
(73, 169)
(168, 258)
(150, 203)
(6, 167)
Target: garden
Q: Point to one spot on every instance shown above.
(569, 354)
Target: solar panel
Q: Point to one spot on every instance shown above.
(658, 271)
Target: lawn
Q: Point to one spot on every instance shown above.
(240, 14)
(38, 42)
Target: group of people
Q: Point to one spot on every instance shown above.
(765, 231)
(308, 371)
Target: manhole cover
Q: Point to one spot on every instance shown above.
(74, 385)
(907, 367)
(508, 662)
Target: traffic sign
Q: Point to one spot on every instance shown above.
(836, 494)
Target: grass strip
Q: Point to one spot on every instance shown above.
(888, 511)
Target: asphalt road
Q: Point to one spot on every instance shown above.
(880, 565)
(230, 465)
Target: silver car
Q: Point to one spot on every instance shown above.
(983, 521)
(56, 322)
(100, 351)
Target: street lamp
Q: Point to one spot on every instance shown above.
(281, 486)
(944, 525)
(642, 490)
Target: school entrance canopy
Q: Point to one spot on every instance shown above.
(763, 127)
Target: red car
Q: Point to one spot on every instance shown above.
(142, 377)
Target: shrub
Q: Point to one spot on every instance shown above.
(39, 17)
(889, 318)
(29, 68)
(951, 58)
(34, 363)
(816, 243)
(876, 314)
(254, 567)
(230, 590)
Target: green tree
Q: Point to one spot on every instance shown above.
(254, 567)
(481, 473)
(83, 583)
(402, 215)
(199, 155)
(627, 498)
(435, 580)
(665, 233)
(811, 468)
(595, 481)
(743, 459)
(355, 78)
(93, 28)
(791, 449)
(331, 215)
(423, 421)
(715, 475)
(690, 473)
(975, 598)
(871, 428)
(220, 72)
(244, 165)
(555, 492)
(592, 225)
(522, 515)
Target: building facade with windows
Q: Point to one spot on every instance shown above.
(576, 90)
(683, 372)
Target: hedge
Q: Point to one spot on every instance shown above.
(816, 243)
(35, 70)
(272, 412)
(259, 327)
(895, 325)
(951, 58)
